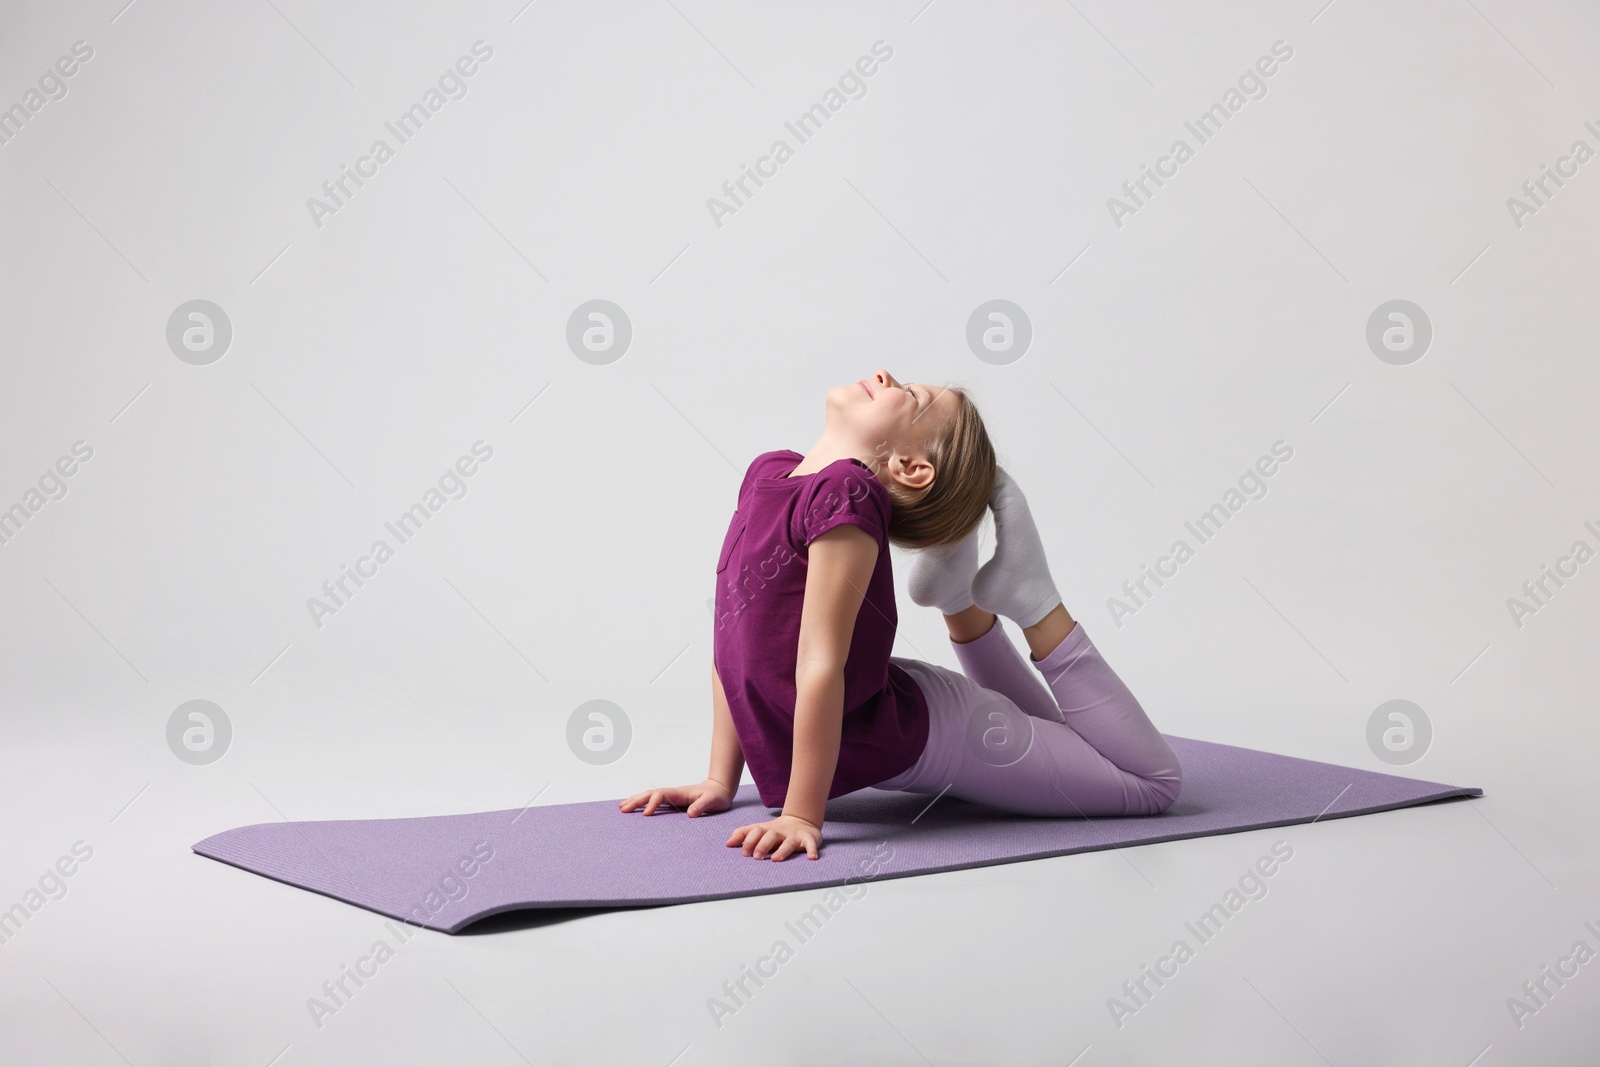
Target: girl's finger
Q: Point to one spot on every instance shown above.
(811, 848)
(784, 850)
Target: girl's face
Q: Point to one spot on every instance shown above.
(889, 420)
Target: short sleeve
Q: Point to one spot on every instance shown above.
(845, 492)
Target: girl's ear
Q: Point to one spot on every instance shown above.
(913, 472)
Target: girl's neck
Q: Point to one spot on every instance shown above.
(829, 449)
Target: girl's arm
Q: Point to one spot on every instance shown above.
(839, 566)
(727, 764)
(727, 758)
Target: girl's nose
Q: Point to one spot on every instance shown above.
(884, 378)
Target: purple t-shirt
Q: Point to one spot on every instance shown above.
(761, 584)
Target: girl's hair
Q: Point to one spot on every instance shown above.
(953, 503)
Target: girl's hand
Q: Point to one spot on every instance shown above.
(706, 798)
(786, 834)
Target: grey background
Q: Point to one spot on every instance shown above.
(430, 313)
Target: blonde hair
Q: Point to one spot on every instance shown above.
(947, 509)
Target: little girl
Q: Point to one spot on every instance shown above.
(803, 685)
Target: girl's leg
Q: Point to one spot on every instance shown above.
(1085, 745)
(1083, 691)
(988, 657)
(1016, 582)
(983, 747)
(1101, 711)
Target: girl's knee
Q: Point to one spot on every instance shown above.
(1163, 791)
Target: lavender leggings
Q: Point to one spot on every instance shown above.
(998, 736)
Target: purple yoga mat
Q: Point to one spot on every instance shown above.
(446, 871)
